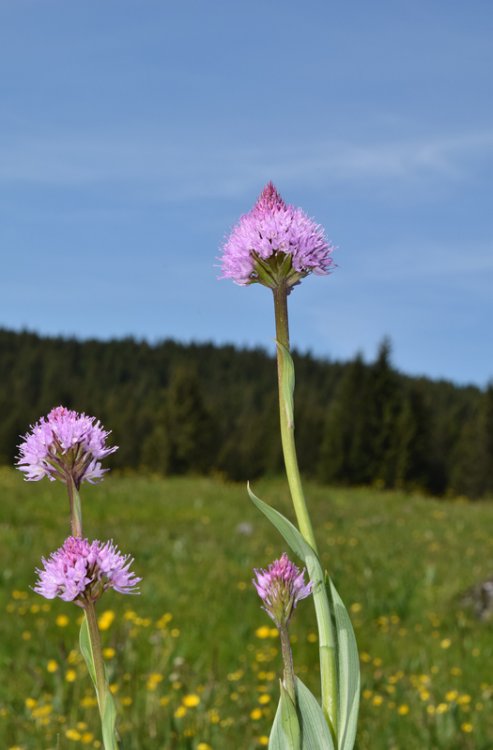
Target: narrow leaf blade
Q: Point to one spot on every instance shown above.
(290, 533)
(315, 734)
(108, 722)
(287, 381)
(86, 650)
(285, 733)
(108, 719)
(348, 671)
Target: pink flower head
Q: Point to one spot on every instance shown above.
(275, 243)
(64, 444)
(281, 587)
(82, 571)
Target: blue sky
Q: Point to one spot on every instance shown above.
(133, 135)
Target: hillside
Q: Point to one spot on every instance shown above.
(201, 409)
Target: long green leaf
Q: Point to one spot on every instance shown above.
(108, 719)
(108, 722)
(315, 734)
(285, 732)
(86, 650)
(348, 671)
(287, 381)
(289, 532)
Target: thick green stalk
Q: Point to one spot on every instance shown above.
(287, 658)
(327, 654)
(75, 507)
(287, 426)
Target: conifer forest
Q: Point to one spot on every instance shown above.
(193, 409)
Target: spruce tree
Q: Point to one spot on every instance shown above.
(472, 473)
(189, 424)
(488, 438)
(343, 453)
(412, 442)
(385, 405)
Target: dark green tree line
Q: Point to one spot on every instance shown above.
(198, 408)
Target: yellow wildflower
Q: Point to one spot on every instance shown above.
(73, 734)
(106, 619)
(262, 632)
(191, 700)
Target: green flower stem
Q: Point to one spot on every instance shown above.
(287, 658)
(75, 507)
(287, 424)
(327, 653)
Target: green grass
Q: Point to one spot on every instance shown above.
(400, 563)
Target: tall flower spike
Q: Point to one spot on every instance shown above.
(281, 587)
(64, 445)
(274, 244)
(81, 571)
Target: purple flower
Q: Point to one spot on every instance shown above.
(281, 587)
(64, 444)
(82, 571)
(275, 243)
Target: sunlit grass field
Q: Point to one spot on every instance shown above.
(194, 662)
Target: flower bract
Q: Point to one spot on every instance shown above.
(81, 571)
(281, 587)
(64, 444)
(275, 243)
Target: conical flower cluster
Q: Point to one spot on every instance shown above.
(275, 243)
(64, 444)
(82, 571)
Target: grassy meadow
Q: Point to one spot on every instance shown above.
(194, 662)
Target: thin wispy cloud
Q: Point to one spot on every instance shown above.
(178, 170)
(402, 261)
